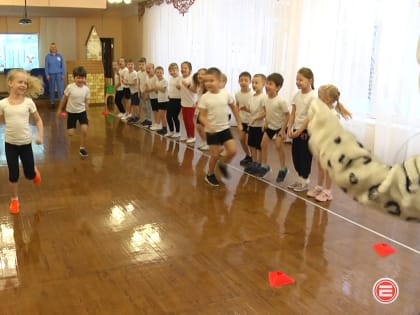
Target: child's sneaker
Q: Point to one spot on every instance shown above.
(253, 168)
(223, 169)
(301, 187)
(263, 170)
(314, 191)
(211, 180)
(293, 185)
(83, 153)
(281, 174)
(204, 147)
(37, 178)
(324, 196)
(169, 134)
(245, 161)
(176, 135)
(14, 206)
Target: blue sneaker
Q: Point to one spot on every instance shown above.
(263, 170)
(282, 175)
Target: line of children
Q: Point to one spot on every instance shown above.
(263, 117)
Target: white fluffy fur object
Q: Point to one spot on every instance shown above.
(395, 190)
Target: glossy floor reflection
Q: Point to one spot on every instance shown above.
(134, 229)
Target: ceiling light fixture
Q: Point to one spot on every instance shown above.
(25, 20)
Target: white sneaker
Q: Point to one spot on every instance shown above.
(176, 135)
(155, 127)
(168, 134)
(183, 139)
(191, 140)
(204, 147)
(120, 115)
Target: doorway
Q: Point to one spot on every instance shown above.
(107, 55)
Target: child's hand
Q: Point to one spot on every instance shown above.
(38, 139)
(242, 107)
(240, 127)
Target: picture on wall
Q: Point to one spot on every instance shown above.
(19, 51)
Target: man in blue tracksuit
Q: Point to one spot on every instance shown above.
(54, 71)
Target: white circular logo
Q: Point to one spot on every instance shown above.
(385, 290)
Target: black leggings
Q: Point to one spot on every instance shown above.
(172, 114)
(24, 152)
(118, 101)
(301, 155)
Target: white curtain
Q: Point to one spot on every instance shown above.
(366, 48)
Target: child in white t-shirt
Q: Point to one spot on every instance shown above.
(76, 103)
(214, 116)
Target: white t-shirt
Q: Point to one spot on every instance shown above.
(123, 77)
(275, 110)
(162, 96)
(174, 92)
(133, 82)
(76, 97)
(256, 107)
(151, 83)
(243, 99)
(16, 118)
(217, 108)
(188, 98)
(302, 103)
(142, 75)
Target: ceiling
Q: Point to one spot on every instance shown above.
(123, 9)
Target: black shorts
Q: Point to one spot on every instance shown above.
(163, 105)
(245, 127)
(135, 100)
(73, 118)
(218, 137)
(255, 135)
(126, 93)
(155, 105)
(271, 132)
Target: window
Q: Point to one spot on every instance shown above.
(19, 51)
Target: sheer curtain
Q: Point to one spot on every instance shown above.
(366, 48)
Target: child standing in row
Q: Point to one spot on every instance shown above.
(297, 128)
(174, 106)
(144, 97)
(242, 98)
(276, 118)
(16, 110)
(151, 91)
(76, 103)
(214, 115)
(255, 108)
(163, 99)
(133, 85)
(188, 100)
(330, 95)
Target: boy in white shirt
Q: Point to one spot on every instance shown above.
(144, 97)
(76, 102)
(214, 115)
(242, 97)
(255, 108)
(276, 115)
